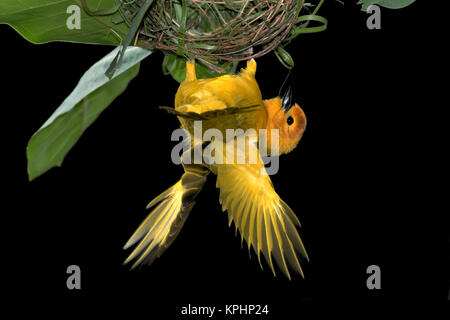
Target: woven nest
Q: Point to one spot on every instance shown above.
(214, 30)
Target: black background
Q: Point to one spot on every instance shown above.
(357, 180)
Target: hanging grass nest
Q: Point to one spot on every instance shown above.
(217, 31)
(214, 30)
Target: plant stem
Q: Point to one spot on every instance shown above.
(318, 7)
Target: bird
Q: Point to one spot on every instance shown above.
(246, 192)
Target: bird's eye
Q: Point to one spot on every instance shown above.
(290, 120)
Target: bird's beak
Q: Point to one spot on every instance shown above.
(287, 100)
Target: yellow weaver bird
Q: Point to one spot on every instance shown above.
(246, 192)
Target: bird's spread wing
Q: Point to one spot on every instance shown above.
(263, 219)
(155, 231)
(163, 224)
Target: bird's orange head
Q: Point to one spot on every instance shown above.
(288, 118)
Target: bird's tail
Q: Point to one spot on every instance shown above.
(157, 232)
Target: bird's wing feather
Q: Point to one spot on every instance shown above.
(208, 115)
(155, 230)
(264, 220)
(171, 209)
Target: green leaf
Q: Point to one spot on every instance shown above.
(176, 67)
(390, 4)
(42, 21)
(94, 92)
(284, 57)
